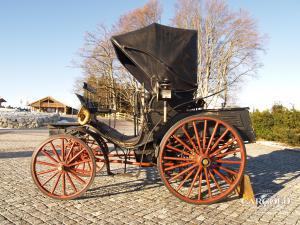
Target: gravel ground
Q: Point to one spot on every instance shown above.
(144, 199)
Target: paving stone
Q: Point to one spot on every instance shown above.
(127, 200)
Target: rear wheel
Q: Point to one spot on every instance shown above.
(95, 142)
(201, 159)
(63, 167)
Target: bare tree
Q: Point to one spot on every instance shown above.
(140, 17)
(228, 46)
(99, 63)
(149, 13)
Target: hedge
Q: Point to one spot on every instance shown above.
(278, 124)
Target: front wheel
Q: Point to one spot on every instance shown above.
(63, 167)
(202, 159)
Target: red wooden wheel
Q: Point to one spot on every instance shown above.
(97, 144)
(63, 167)
(202, 159)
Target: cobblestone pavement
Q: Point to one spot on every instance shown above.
(144, 199)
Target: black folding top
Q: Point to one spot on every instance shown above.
(156, 52)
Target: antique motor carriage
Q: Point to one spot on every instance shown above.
(199, 153)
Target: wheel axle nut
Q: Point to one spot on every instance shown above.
(205, 162)
(60, 168)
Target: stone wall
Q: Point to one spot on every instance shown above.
(14, 119)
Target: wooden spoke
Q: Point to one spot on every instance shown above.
(46, 163)
(189, 137)
(226, 145)
(200, 185)
(48, 156)
(46, 182)
(219, 139)
(212, 137)
(228, 170)
(182, 172)
(207, 182)
(74, 157)
(54, 151)
(71, 182)
(197, 137)
(64, 183)
(55, 185)
(90, 168)
(221, 155)
(194, 180)
(185, 179)
(178, 166)
(81, 171)
(69, 153)
(46, 171)
(63, 149)
(228, 161)
(96, 145)
(184, 144)
(178, 150)
(204, 134)
(177, 159)
(215, 181)
(77, 177)
(222, 176)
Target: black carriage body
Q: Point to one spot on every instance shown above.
(239, 118)
(153, 54)
(157, 52)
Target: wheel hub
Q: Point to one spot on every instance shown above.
(202, 160)
(205, 162)
(61, 167)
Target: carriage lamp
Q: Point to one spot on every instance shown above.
(165, 89)
(84, 116)
(165, 94)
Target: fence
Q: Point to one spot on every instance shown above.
(118, 115)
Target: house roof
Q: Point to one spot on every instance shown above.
(2, 100)
(37, 103)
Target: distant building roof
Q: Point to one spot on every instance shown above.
(48, 102)
(2, 100)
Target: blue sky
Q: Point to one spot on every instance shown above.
(39, 39)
